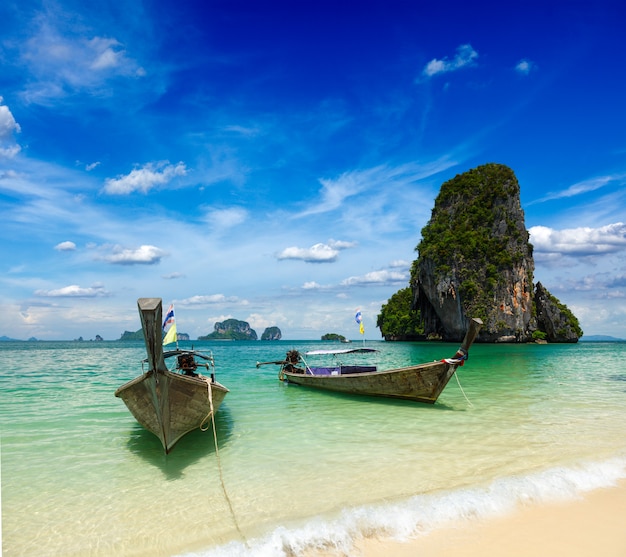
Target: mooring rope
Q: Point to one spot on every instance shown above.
(219, 464)
(459, 383)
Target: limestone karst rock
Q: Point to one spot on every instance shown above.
(271, 333)
(475, 260)
(231, 329)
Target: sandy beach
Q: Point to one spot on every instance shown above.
(593, 525)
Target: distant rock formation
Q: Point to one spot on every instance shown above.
(554, 319)
(231, 329)
(475, 261)
(271, 333)
(129, 335)
(334, 336)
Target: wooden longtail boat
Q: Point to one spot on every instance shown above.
(170, 403)
(421, 383)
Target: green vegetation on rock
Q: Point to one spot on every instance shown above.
(475, 235)
(128, 335)
(397, 320)
(333, 336)
(475, 260)
(271, 333)
(231, 329)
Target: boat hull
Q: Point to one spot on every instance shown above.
(167, 403)
(420, 383)
(171, 405)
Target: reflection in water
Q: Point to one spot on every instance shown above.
(191, 448)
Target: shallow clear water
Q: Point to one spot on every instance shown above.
(299, 468)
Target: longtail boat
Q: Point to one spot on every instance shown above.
(171, 402)
(420, 383)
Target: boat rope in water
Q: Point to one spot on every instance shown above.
(211, 414)
(459, 383)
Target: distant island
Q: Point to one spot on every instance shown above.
(272, 333)
(335, 337)
(138, 335)
(231, 329)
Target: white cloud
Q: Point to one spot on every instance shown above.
(202, 300)
(377, 277)
(318, 253)
(63, 62)
(583, 187)
(580, 241)
(524, 67)
(143, 255)
(259, 322)
(340, 244)
(465, 56)
(65, 246)
(383, 178)
(73, 291)
(8, 127)
(226, 218)
(145, 178)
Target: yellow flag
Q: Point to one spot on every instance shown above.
(169, 326)
(171, 335)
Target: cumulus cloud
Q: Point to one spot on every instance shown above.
(465, 56)
(65, 246)
(8, 127)
(143, 255)
(318, 253)
(400, 264)
(524, 67)
(145, 178)
(579, 241)
(74, 291)
(377, 278)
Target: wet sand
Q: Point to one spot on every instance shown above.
(594, 524)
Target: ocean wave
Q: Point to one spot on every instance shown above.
(422, 514)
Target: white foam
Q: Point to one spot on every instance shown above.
(422, 514)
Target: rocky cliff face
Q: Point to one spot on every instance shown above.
(475, 260)
(231, 329)
(271, 333)
(557, 322)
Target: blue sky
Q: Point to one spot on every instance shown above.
(275, 162)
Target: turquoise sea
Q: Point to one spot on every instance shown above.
(296, 469)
